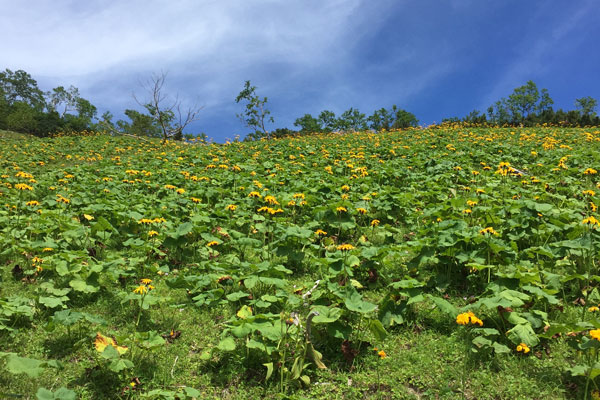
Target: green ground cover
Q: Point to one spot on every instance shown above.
(449, 262)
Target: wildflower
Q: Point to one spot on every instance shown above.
(345, 188)
(196, 200)
(590, 221)
(254, 194)
(479, 191)
(320, 232)
(467, 211)
(180, 191)
(595, 334)
(523, 348)
(231, 207)
(375, 222)
(146, 281)
(341, 209)
(589, 192)
(152, 233)
(489, 230)
(345, 247)
(468, 318)
(47, 249)
(381, 354)
(88, 217)
(212, 243)
(590, 171)
(141, 289)
(33, 203)
(593, 206)
(361, 210)
(344, 196)
(271, 200)
(593, 309)
(171, 187)
(23, 186)
(298, 196)
(471, 203)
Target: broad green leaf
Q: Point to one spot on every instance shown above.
(226, 344)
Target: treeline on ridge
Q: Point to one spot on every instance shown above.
(25, 108)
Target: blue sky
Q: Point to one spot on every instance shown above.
(435, 59)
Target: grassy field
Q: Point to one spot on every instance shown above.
(446, 263)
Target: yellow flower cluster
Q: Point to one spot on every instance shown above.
(23, 186)
(468, 318)
(595, 334)
(523, 348)
(345, 247)
(590, 221)
(489, 230)
(145, 287)
(270, 210)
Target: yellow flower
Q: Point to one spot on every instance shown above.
(196, 200)
(47, 249)
(171, 187)
(146, 281)
(361, 210)
(595, 334)
(593, 206)
(88, 217)
(381, 354)
(590, 221)
(345, 247)
(212, 243)
(375, 222)
(589, 192)
(345, 188)
(320, 232)
(593, 309)
(180, 191)
(141, 289)
(254, 194)
(467, 211)
(271, 200)
(341, 209)
(489, 230)
(524, 348)
(471, 203)
(590, 171)
(468, 318)
(231, 207)
(23, 186)
(152, 233)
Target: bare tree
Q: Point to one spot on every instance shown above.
(168, 114)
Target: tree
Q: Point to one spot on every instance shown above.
(586, 106)
(308, 124)
(380, 120)
(66, 99)
(141, 124)
(523, 100)
(328, 121)
(20, 86)
(256, 113)
(352, 120)
(166, 114)
(403, 119)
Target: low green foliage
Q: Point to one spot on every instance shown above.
(444, 262)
